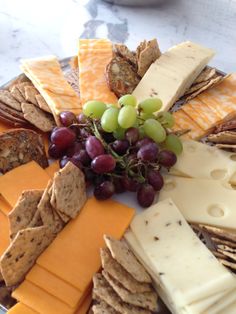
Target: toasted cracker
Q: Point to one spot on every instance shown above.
(226, 126)
(69, 190)
(43, 121)
(222, 233)
(228, 264)
(125, 257)
(227, 248)
(8, 99)
(226, 137)
(230, 147)
(103, 308)
(147, 56)
(22, 253)
(22, 214)
(17, 94)
(30, 94)
(112, 267)
(218, 241)
(21, 87)
(146, 300)
(72, 78)
(42, 103)
(218, 254)
(206, 74)
(232, 256)
(103, 291)
(123, 51)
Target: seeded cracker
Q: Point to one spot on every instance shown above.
(13, 112)
(205, 75)
(228, 264)
(21, 87)
(226, 137)
(232, 256)
(8, 99)
(103, 308)
(218, 241)
(17, 94)
(112, 267)
(22, 253)
(30, 93)
(123, 255)
(123, 51)
(227, 235)
(42, 103)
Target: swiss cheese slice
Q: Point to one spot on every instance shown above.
(77, 246)
(26, 177)
(93, 57)
(231, 309)
(210, 202)
(4, 233)
(39, 300)
(20, 308)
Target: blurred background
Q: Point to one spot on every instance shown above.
(36, 28)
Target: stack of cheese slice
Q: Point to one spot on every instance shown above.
(187, 276)
(173, 73)
(93, 57)
(47, 76)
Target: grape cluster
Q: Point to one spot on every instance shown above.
(119, 147)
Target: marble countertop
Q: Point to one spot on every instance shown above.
(36, 28)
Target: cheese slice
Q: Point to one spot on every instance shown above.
(39, 300)
(26, 177)
(4, 233)
(52, 168)
(55, 286)
(5, 208)
(187, 61)
(199, 160)
(231, 309)
(77, 245)
(83, 309)
(222, 303)
(20, 308)
(203, 201)
(94, 56)
(164, 235)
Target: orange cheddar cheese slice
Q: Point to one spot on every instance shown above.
(26, 177)
(78, 245)
(4, 233)
(55, 286)
(20, 308)
(185, 122)
(93, 57)
(39, 300)
(52, 168)
(5, 208)
(83, 309)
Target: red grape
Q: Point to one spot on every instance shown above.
(81, 118)
(132, 135)
(130, 184)
(103, 164)
(155, 179)
(104, 190)
(83, 157)
(75, 148)
(67, 118)
(75, 160)
(75, 128)
(64, 161)
(167, 158)
(119, 186)
(55, 152)
(93, 147)
(148, 152)
(145, 195)
(120, 146)
(143, 142)
(63, 138)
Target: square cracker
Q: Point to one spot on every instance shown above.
(103, 308)
(147, 300)
(22, 214)
(103, 291)
(42, 103)
(69, 190)
(30, 93)
(17, 94)
(112, 267)
(224, 234)
(21, 87)
(22, 253)
(9, 100)
(125, 257)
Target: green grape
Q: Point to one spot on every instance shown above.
(127, 116)
(166, 119)
(174, 144)
(112, 106)
(145, 116)
(94, 109)
(141, 132)
(119, 133)
(136, 123)
(150, 105)
(109, 120)
(127, 100)
(154, 130)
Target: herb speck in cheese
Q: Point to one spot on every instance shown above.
(168, 224)
(156, 238)
(180, 222)
(161, 274)
(146, 222)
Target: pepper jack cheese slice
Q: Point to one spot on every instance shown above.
(78, 244)
(26, 177)
(170, 85)
(199, 160)
(20, 308)
(93, 56)
(164, 236)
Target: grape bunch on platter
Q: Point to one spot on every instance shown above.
(119, 147)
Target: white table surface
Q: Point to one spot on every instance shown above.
(30, 28)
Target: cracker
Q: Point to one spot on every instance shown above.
(13, 112)
(228, 264)
(231, 147)
(112, 267)
(121, 76)
(232, 256)
(72, 78)
(11, 123)
(227, 248)
(147, 300)
(226, 137)
(103, 308)
(69, 190)
(13, 118)
(147, 56)
(205, 75)
(125, 257)
(30, 93)
(218, 241)
(17, 94)
(103, 291)
(21, 87)
(22, 214)
(227, 235)
(22, 253)
(8, 99)
(43, 121)
(123, 51)
(225, 126)
(42, 103)
(218, 255)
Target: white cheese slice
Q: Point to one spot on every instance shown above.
(203, 201)
(199, 160)
(185, 267)
(184, 62)
(231, 309)
(222, 304)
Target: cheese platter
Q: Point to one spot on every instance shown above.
(107, 121)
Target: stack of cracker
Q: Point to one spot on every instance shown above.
(38, 217)
(124, 286)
